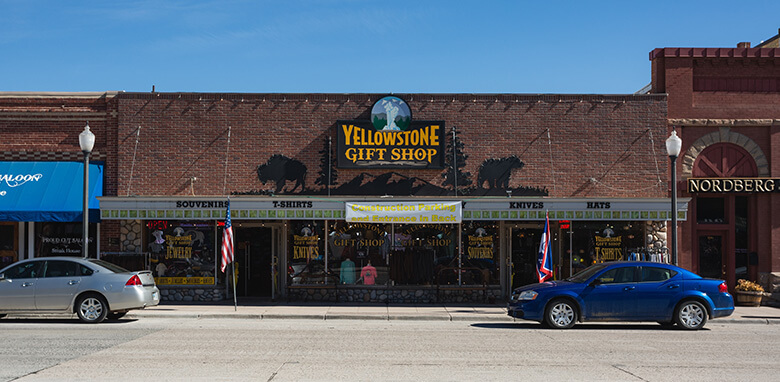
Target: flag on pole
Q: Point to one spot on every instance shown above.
(544, 261)
(227, 241)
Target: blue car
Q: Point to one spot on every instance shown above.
(624, 291)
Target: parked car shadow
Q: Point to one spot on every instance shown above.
(588, 326)
(60, 320)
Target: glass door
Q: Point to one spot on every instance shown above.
(523, 246)
(254, 248)
(711, 254)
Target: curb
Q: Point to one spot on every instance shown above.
(392, 317)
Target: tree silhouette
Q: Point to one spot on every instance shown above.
(463, 178)
(327, 165)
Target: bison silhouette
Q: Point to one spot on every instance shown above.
(280, 169)
(496, 172)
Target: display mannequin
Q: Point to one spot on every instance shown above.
(368, 274)
(347, 273)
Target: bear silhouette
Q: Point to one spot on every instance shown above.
(280, 169)
(497, 171)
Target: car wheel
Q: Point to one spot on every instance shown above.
(560, 314)
(115, 315)
(691, 315)
(92, 308)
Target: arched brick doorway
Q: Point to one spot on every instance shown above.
(724, 234)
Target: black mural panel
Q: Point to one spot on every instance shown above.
(496, 173)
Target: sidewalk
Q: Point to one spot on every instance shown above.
(442, 312)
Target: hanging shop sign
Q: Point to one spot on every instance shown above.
(306, 244)
(480, 244)
(404, 212)
(391, 139)
(732, 185)
(609, 248)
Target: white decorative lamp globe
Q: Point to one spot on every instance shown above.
(86, 139)
(673, 145)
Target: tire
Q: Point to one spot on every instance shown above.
(690, 315)
(560, 314)
(91, 308)
(115, 315)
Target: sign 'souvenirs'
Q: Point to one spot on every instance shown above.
(391, 139)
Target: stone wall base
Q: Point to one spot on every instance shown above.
(419, 295)
(200, 293)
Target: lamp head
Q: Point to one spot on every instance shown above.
(673, 145)
(86, 139)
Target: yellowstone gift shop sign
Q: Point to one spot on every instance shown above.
(391, 139)
(404, 212)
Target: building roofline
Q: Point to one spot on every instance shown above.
(106, 94)
(409, 97)
(715, 52)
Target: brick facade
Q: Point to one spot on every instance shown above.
(726, 96)
(599, 146)
(45, 127)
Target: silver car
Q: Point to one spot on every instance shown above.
(93, 289)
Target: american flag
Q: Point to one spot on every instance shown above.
(544, 262)
(227, 241)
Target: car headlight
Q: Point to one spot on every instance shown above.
(525, 296)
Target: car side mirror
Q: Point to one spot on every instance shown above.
(2, 276)
(595, 282)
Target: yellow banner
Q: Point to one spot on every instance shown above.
(404, 212)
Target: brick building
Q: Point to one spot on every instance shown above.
(724, 104)
(301, 168)
(41, 187)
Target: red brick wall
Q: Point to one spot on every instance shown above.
(45, 127)
(679, 73)
(607, 138)
(675, 71)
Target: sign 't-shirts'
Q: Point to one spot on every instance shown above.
(405, 212)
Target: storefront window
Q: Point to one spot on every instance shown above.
(306, 261)
(424, 254)
(8, 243)
(710, 210)
(385, 254)
(62, 239)
(358, 253)
(481, 255)
(182, 252)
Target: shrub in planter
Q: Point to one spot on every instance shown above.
(748, 293)
(749, 286)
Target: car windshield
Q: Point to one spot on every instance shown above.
(111, 267)
(586, 273)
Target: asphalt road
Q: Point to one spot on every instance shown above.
(295, 350)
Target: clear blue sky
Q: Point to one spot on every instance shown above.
(351, 46)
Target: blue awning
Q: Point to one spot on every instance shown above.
(48, 191)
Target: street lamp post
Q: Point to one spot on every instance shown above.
(673, 146)
(86, 141)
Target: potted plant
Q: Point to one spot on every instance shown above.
(748, 293)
